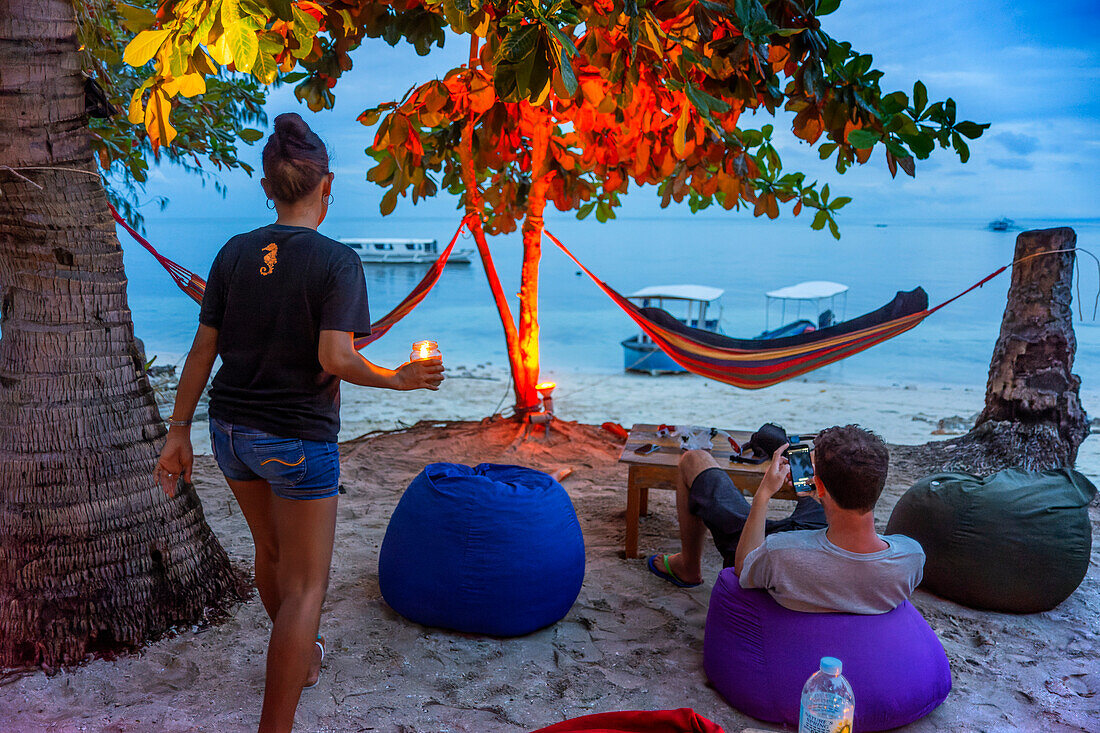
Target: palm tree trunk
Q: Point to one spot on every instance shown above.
(92, 555)
(1033, 417)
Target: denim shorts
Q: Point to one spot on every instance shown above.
(295, 468)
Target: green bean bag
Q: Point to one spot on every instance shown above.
(1016, 541)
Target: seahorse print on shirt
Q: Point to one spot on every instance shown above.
(270, 259)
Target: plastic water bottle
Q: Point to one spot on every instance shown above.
(828, 705)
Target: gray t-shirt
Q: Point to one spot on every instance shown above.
(804, 571)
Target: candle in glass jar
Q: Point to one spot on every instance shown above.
(424, 350)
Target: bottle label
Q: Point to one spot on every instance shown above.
(810, 723)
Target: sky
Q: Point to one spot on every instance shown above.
(1030, 68)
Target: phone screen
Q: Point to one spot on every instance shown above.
(802, 468)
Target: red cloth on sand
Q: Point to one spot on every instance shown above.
(683, 720)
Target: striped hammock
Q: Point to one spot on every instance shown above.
(758, 363)
(194, 286)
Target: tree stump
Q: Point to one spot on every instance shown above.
(1033, 418)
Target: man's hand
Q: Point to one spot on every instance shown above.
(779, 473)
(176, 460)
(420, 374)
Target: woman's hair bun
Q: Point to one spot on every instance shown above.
(295, 158)
(290, 127)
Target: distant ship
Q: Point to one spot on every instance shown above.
(403, 251)
(1002, 225)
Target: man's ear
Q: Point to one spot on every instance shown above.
(819, 486)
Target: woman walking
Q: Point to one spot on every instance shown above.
(282, 307)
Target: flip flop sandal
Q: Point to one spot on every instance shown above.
(667, 573)
(321, 645)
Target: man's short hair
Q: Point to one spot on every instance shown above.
(851, 462)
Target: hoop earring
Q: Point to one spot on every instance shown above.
(271, 203)
(329, 199)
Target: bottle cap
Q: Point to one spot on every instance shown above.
(831, 666)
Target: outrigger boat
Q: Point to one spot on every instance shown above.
(403, 251)
(695, 303)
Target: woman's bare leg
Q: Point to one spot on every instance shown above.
(305, 532)
(255, 498)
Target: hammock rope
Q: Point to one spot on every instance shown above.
(194, 286)
(762, 363)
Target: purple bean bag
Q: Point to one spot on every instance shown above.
(758, 655)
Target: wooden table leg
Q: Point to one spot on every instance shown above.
(643, 506)
(633, 507)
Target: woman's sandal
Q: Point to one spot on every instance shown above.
(320, 645)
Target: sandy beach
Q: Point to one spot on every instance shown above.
(631, 641)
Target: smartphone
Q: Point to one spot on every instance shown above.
(802, 468)
(645, 450)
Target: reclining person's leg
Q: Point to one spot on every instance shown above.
(705, 498)
(687, 564)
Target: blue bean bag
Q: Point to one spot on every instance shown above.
(485, 550)
(758, 655)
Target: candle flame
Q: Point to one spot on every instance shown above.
(423, 350)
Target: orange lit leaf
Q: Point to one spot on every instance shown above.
(191, 85)
(389, 201)
(679, 140)
(157, 124)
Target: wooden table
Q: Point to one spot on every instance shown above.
(658, 471)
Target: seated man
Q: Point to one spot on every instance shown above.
(823, 557)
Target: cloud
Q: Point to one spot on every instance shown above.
(1017, 144)
(1011, 164)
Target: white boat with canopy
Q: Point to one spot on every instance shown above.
(403, 251)
(823, 294)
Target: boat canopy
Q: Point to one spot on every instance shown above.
(679, 292)
(812, 290)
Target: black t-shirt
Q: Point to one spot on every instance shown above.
(270, 294)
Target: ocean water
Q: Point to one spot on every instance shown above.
(581, 328)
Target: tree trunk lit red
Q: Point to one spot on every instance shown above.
(473, 210)
(527, 396)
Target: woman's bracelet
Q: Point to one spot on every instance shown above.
(174, 423)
